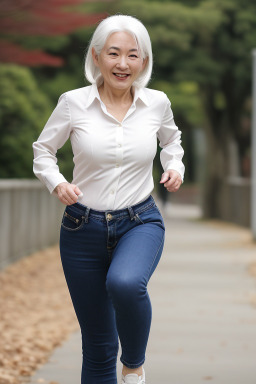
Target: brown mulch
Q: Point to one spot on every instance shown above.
(36, 314)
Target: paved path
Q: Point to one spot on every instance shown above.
(204, 325)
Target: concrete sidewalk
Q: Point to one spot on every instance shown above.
(204, 325)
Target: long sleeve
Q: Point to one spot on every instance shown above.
(54, 135)
(170, 142)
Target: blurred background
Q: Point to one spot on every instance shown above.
(202, 60)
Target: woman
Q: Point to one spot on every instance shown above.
(112, 232)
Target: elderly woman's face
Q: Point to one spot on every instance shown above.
(120, 61)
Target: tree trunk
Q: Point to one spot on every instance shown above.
(214, 176)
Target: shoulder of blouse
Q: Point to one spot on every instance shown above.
(76, 95)
(159, 100)
(156, 95)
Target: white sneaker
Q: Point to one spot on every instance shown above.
(133, 378)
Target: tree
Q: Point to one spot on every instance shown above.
(23, 108)
(28, 18)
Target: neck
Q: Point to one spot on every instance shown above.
(115, 96)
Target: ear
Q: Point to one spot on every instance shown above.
(145, 61)
(95, 57)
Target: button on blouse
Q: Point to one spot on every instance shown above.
(112, 160)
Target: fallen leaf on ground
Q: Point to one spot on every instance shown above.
(37, 314)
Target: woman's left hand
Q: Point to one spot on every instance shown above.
(172, 180)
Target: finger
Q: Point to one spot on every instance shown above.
(64, 201)
(177, 183)
(64, 195)
(72, 200)
(71, 195)
(165, 177)
(70, 203)
(170, 183)
(174, 188)
(174, 181)
(76, 189)
(67, 200)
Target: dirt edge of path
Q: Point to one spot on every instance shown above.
(37, 314)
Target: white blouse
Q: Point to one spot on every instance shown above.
(112, 160)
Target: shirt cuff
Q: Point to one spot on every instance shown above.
(178, 168)
(51, 181)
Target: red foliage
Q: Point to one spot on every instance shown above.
(13, 53)
(38, 18)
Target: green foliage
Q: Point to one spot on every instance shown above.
(185, 101)
(207, 42)
(55, 81)
(23, 111)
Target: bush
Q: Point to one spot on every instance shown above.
(24, 109)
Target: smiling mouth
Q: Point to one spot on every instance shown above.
(121, 75)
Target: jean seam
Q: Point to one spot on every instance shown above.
(131, 365)
(98, 218)
(158, 210)
(155, 257)
(143, 209)
(137, 211)
(138, 219)
(121, 359)
(114, 238)
(74, 229)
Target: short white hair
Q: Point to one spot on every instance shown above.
(119, 23)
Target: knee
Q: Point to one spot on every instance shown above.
(99, 352)
(125, 287)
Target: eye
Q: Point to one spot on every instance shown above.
(113, 53)
(134, 56)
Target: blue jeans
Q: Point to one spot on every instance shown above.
(108, 258)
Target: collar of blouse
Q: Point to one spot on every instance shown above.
(139, 93)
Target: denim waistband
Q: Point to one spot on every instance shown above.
(129, 211)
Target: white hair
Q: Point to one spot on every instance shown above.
(119, 23)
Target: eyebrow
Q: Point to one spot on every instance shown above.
(118, 49)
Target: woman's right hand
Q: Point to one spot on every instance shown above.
(67, 193)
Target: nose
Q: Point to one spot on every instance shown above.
(122, 63)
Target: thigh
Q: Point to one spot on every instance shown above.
(138, 252)
(85, 264)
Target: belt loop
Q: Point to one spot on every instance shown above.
(86, 215)
(132, 215)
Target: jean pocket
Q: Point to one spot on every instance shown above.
(152, 216)
(138, 219)
(72, 221)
